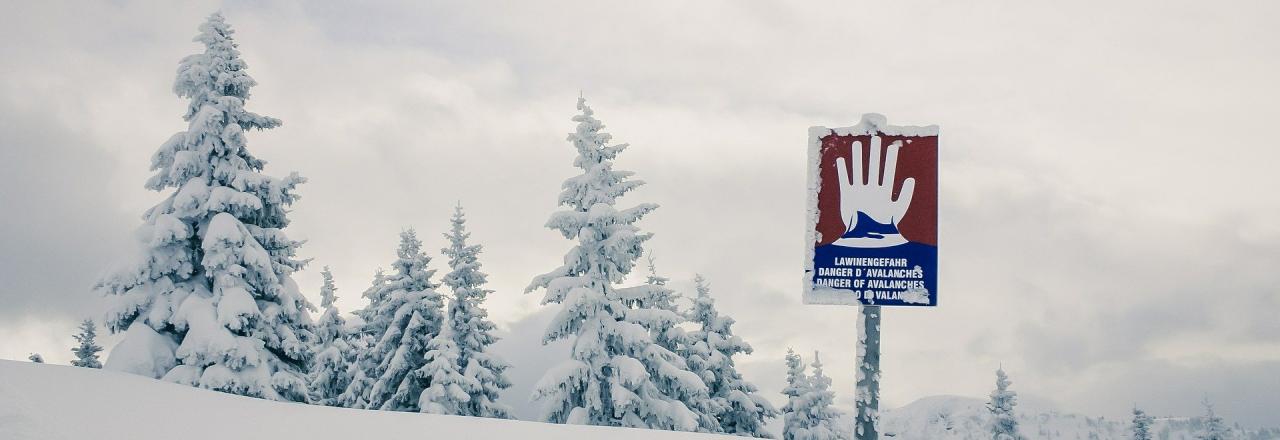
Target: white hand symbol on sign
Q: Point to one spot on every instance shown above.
(874, 198)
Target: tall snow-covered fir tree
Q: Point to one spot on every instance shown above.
(404, 313)
(471, 328)
(794, 416)
(1211, 426)
(87, 348)
(738, 407)
(450, 391)
(820, 420)
(614, 368)
(1004, 423)
(1141, 427)
(211, 302)
(329, 373)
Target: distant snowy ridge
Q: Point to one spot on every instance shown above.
(54, 402)
(962, 418)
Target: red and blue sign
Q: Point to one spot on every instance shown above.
(873, 215)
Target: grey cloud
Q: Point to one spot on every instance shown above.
(55, 235)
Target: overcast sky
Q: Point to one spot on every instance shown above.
(1107, 223)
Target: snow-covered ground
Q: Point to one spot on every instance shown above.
(55, 402)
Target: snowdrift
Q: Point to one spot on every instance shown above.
(54, 402)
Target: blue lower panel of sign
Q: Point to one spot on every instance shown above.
(902, 275)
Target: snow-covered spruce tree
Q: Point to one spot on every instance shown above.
(451, 391)
(614, 370)
(36, 358)
(1141, 428)
(739, 407)
(362, 368)
(373, 294)
(815, 403)
(211, 303)
(87, 347)
(794, 415)
(472, 331)
(1004, 423)
(653, 305)
(329, 373)
(1212, 426)
(405, 312)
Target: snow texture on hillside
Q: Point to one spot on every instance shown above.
(54, 402)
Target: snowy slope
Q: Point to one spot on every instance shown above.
(54, 402)
(959, 418)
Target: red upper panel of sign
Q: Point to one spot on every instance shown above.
(918, 159)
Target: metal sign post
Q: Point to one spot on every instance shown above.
(873, 233)
(868, 386)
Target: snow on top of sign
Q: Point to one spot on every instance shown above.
(873, 123)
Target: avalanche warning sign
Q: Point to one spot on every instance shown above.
(873, 215)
